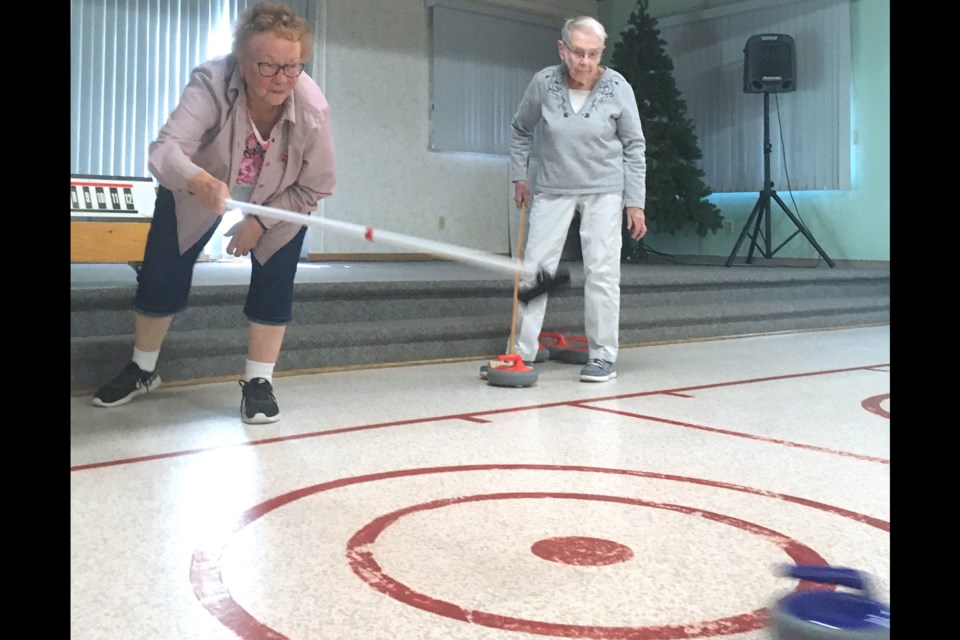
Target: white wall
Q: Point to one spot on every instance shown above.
(376, 75)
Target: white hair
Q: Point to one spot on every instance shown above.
(582, 23)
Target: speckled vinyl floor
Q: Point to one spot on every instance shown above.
(420, 503)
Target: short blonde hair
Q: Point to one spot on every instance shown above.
(582, 23)
(276, 18)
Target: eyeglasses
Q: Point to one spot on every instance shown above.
(580, 53)
(270, 69)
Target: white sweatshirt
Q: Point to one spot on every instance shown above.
(598, 150)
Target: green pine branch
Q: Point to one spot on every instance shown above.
(676, 191)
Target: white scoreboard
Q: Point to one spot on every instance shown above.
(111, 197)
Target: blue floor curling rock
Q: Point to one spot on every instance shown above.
(830, 615)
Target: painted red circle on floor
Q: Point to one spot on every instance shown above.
(361, 555)
(208, 585)
(874, 404)
(581, 551)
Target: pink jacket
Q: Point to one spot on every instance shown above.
(206, 131)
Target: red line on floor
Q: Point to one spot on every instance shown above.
(874, 405)
(362, 559)
(739, 434)
(207, 579)
(732, 383)
(470, 416)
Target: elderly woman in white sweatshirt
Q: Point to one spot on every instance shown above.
(591, 159)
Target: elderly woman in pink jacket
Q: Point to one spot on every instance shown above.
(250, 126)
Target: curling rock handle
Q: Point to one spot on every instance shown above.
(843, 576)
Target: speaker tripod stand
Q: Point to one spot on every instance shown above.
(761, 210)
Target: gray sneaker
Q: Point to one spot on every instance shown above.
(597, 370)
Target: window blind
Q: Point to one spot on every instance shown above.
(482, 60)
(129, 63)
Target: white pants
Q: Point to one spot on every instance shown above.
(601, 219)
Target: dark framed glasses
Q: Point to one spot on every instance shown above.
(270, 69)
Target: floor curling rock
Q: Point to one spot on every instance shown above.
(563, 351)
(510, 371)
(578, 353)
(829, 615)
(543, 354)
(552, 341)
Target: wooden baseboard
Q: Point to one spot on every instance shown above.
(771, 262)
(653, 259)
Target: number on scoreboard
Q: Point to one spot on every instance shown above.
(111, 197)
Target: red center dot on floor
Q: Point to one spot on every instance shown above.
(581, 551)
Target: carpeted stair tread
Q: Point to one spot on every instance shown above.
(340, 324)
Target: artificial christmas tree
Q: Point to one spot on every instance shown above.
(676, 192)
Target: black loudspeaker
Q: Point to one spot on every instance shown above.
(769, 64)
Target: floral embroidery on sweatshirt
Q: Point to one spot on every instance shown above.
(557, 86)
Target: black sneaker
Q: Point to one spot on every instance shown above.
(258, 406)
(130, 383)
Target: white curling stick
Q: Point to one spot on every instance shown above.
(545, 282)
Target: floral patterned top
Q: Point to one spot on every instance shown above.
(253, 154)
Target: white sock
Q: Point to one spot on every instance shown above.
(259, 370)
(146, 360)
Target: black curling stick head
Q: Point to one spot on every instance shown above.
(545, 284)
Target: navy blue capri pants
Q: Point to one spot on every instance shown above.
(164, 279)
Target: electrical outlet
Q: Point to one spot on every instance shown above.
(728, 227)
(443, 222)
